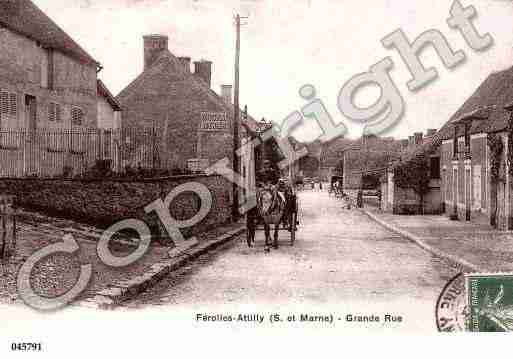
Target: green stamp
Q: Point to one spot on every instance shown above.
(490, 302)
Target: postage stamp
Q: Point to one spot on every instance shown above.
(490, 302)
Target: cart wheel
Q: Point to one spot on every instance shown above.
(294, 229)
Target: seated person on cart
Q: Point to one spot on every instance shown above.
(270, 176)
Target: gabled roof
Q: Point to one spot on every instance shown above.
(169, 79)
(494, 93)
(486, 105)
(25, 18)
(104, 92)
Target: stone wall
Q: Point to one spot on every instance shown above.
(104, 202)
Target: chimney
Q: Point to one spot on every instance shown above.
(411, 140)
(431, 132)
(153, 46)
(186, 62)
(203, 69)
(418, 138)
(226, 93)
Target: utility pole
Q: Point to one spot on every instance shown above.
(236, 117)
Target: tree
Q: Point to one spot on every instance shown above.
(414, 174)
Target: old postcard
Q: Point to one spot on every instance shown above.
(244, 166)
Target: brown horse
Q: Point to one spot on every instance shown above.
(270, 209)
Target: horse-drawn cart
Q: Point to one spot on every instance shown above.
(273, 208)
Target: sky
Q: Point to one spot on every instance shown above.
(286, 44)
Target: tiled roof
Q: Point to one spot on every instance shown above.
(25, 18)
(169, 79)
(486, 106)
(494, 93)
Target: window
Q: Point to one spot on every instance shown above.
(434, 167)
(455, 143)
(8, 103)
(47, 69)
(77, 116)
(54, 112)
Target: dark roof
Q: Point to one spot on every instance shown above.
(104, 91)
(410, 153)
(495, 92)
(486, 106)
(25, 18)
(168, 78)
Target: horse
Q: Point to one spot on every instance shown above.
(270, 209)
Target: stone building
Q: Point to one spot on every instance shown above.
(475, 150)
(196, 122)
(476, 145)
(46, 79)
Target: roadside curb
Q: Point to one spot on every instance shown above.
(418, 240)
(122, 291)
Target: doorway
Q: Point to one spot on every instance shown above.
(31, 112)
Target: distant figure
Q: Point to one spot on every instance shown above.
(347, 200)
(359, 199)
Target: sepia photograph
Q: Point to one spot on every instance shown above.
(208, 169)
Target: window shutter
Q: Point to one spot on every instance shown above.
(77, 116)
(54, 112)
(13, 99)
(58, 116)
(51, 112)
(4, 102)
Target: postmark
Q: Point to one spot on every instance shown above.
(490, 302)
(451, 307)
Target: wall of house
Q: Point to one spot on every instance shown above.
(476, 169)
(23, 70)
(398, 200)
(107, 117)
(182, 115)
(104, 202)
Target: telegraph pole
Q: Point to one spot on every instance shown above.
(236, 117)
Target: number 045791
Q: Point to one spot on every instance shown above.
(26, 347)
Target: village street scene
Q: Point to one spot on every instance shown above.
(179, 194)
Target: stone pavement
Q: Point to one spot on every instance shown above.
(475, 246)
(56, 273)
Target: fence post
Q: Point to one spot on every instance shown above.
(7, 226)
(99, 140)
